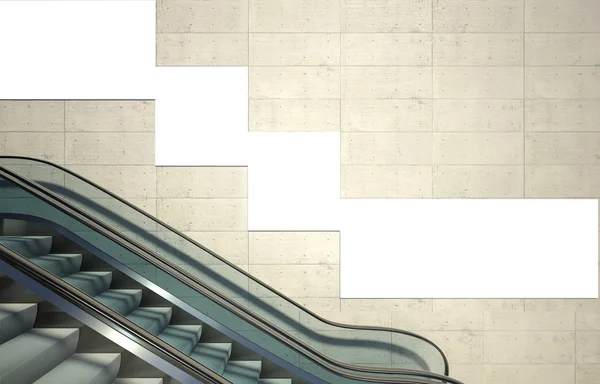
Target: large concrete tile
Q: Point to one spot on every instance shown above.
(562, 49)
(93, 148)
(386, 181)
(388, 305)
(529, 374)
(561, 305)
(564, 181)
(556, 148)
(478, 49)
(587, 373)
(446, 320)
(467, 373)
(562, 115)
(44, 145)
(478, 115)
(562, 82)
(299, 280)
(386, 115)
(461, 347)
(294, 49)
(204, 214)
(202, 49)
(386, 49)
(529, 347)
(387, 16)
(474, 181)
(294, 16)
(529, 321)
(30, 116)
(468, 305)
(478, 148)
(109, 116)
(294, 82)
(478, 82)
(386, 82)
(386, 148)
(588, 321)
(460, 16)
(136, 181)
(304, 115)
(185, 16)
(294, 248)
(562, 16)
(232, 246)
(588, 347)
(202, 182)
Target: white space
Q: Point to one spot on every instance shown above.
(390, 248)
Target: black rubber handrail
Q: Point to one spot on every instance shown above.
(192, 280)
(109, 317)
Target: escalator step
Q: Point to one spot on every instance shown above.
(31, 355)
(151, 380)
(28, 246)
(15, 319)
(85, 368)
(123, 301)
(92, 283)
(213, 355)
(183, 337)
(243, 372)
(60, 265)
(152, 319)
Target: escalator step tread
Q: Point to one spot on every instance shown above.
(150, 380)
(123, 301)
(15, 319)
(92, 283)
(243, 372)
(85, 368)
(152, 319)
(275, 381)
(28, 246)
(213, 355)
(31, 355)
(183, 337)
(60, 264)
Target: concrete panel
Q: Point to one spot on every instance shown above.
(204, 214)
(478, 148)
(562, 181)
(387, 16)
(562, 82)
(386, 82)
(478, 49)
(109, 116)
(294, 83)
(474, 181)
(109, 148)
(478, 115)
(124, 180)
(202, 182)
(300, 280)
(562, 16)
(386, 115)
(478, 82)
(295, 16)
(294, 49)
(48, 146)
(530, 347)
(562, 148)
(386, 49)
(185, 16)
(378, 181)
(562, 115)
(294, 115)
(30, 116)
(386, 148)
(195, 49)
(461, 16)
(562, 49)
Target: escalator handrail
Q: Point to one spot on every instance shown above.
(107, 315)
(191, 280)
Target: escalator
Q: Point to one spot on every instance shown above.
(172, 304)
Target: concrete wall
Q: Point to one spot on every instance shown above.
(487, 341)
